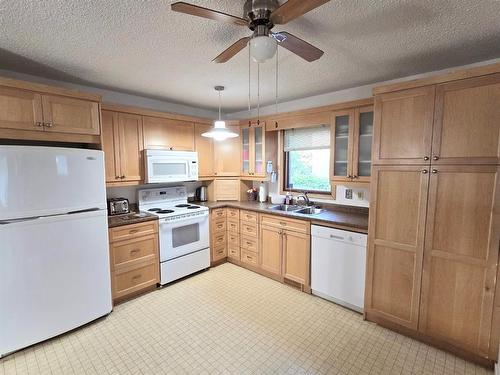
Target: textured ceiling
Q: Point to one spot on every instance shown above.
(142, 47)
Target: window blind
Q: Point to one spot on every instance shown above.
(307, 138)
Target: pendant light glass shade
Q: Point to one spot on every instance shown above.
(219, 132)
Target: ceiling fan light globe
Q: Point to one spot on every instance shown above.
(262, 48)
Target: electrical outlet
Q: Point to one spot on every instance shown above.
(348, 193)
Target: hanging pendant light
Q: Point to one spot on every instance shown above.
(219, 132)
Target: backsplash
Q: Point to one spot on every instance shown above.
(130, 192)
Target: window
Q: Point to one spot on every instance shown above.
(307, 159)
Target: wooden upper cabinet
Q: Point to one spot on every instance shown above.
(20, 109)
(110, 145)
(227, 156)
(69, 115)
(271, 240)
(130, 143)
(122, 146)
(461, 255)
(342, 136)
(162, 133)
(205, 148)
(253, 150)
(403, 126)
(467, 122)
(395, 243)
(362, 144)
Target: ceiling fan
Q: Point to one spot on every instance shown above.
(261, 16)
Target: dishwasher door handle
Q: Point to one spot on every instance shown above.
(337, 237)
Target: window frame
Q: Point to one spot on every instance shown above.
(284, 170)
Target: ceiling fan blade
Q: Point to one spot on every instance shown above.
(211, 14)
(293, 9)
(298, 46)
(231, 51)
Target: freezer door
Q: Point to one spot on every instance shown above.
(41, 181)
(54, 277)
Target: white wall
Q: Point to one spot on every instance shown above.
(130, 192)
(109, 96)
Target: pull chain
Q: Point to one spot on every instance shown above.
(258, 93)
(249, 82)
(277, 78)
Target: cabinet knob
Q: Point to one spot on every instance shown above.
(426, 158)
(117, 177)
(349, 176)
(354, 177)
(434, 171)
(39, 124)
(435, 157)
(425, 171)
(47, 124)
(276, 124)
(122, 177)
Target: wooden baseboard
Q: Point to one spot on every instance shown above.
(218, 262)
(135, 294)
(485, 362)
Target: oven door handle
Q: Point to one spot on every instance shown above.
(183, 223)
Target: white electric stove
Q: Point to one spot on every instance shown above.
(184, 231)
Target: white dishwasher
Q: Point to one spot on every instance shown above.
(338, 263)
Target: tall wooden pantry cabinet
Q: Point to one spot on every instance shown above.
(434, 231)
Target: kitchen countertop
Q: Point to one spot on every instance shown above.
(131, 218)
(342, 217)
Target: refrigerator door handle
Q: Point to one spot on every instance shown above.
(83, 211)
(15, 221)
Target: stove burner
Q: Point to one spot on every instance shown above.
(154, 209)
(183, 205)
(193, 207)
(164, 211)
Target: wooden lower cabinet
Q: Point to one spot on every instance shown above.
(395, 243)
(433, 251)
(134, 258)
(296, 257)
(218, 235)
(461, 255)
(271, 245)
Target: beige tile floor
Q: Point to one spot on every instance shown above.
(230, 320)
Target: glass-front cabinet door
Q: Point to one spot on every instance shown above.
(258, 152)
(245, 150)
(253, 150)
(342, 136)
(363, 135)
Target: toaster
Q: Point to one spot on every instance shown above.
(118, 206)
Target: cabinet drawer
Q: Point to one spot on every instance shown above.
(249, 257)
(133, 280)
(233, 225)
(133, 231)
(233, 252)
(218, 213)
(249, 216)
(219, 252)
(233, 213)
(219, 239)
(249, 229)
(233, 239)
(219, 225)
(124, 253)
(289, 224)
(249, 243)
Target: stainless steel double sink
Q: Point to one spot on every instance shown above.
(295, 209)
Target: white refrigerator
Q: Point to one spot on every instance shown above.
(54, 257)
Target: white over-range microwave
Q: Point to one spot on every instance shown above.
(163, 166)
